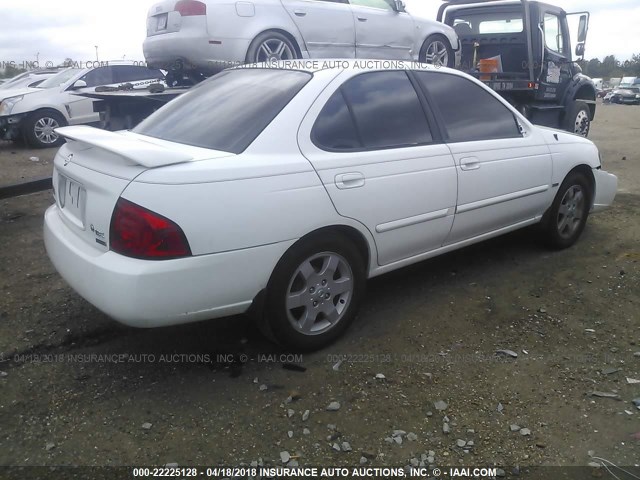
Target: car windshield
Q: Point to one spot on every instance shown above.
(226, 112)
(57, 80)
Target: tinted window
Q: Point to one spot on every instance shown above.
(334, 128)
(226, 112)
(99, 76)
(131, 73)
(469, 111)
(386, 112)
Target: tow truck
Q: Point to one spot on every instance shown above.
(519, 48)
(522, 50)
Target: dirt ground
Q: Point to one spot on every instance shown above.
(79, 389)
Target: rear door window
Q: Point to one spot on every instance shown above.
(99, 76)
(469, 111)
(373, 111)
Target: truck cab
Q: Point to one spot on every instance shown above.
(522, 49)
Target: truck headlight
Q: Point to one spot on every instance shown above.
(8, 103)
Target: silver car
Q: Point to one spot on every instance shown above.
(204, 37)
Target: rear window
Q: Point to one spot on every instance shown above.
(488, 23)
(226, 112)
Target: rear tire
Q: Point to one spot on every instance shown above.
(38, 129)
(437, 51)
(271, 47)
(315, 292)
(578, 118)
(564, 222)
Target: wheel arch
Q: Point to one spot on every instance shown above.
(587, 171)
(48, 109)
(350, 233)
(583, 169)
(583, 89)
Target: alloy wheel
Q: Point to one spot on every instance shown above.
(319, 293)
(436, 54)
(273, 50)
(44, 130)
(571, 211)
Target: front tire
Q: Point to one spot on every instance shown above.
(315, 292)
(39, 129)
(271, 47)
(578, 118)
(565, 220)
(437, 51)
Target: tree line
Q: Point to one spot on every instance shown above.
(611, 67)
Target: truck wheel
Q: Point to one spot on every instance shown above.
(39, 129)
(437, 51)
(578, 118)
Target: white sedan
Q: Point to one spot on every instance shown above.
(285, 188)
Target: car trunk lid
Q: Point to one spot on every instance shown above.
(162, 18)
(95, 166)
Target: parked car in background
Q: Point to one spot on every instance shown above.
(624, 95)
(629, 82)
(203, 210)
(204, 37)
(28, 79)
(34, 114)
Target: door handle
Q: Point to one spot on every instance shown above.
(362, 19)
(469, 163)
(349, 180)
(300, 13)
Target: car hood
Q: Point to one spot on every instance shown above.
(16, 92)
(626, 93)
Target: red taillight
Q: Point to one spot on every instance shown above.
(190, 8)
(140, 233)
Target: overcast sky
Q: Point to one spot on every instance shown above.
(72, 28)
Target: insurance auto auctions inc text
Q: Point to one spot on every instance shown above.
(374, 472)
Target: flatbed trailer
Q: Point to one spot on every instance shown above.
(123, 110)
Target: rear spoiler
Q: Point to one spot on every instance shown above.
(134, 149)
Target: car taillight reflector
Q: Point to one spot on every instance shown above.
(190, 8)
(140, 233)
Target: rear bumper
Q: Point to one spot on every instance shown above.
(195, 52)
(606, 188)
(144, 293)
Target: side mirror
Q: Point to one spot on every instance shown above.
(582, 29)
(79, 84)
(399, 6)
(580, 50)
